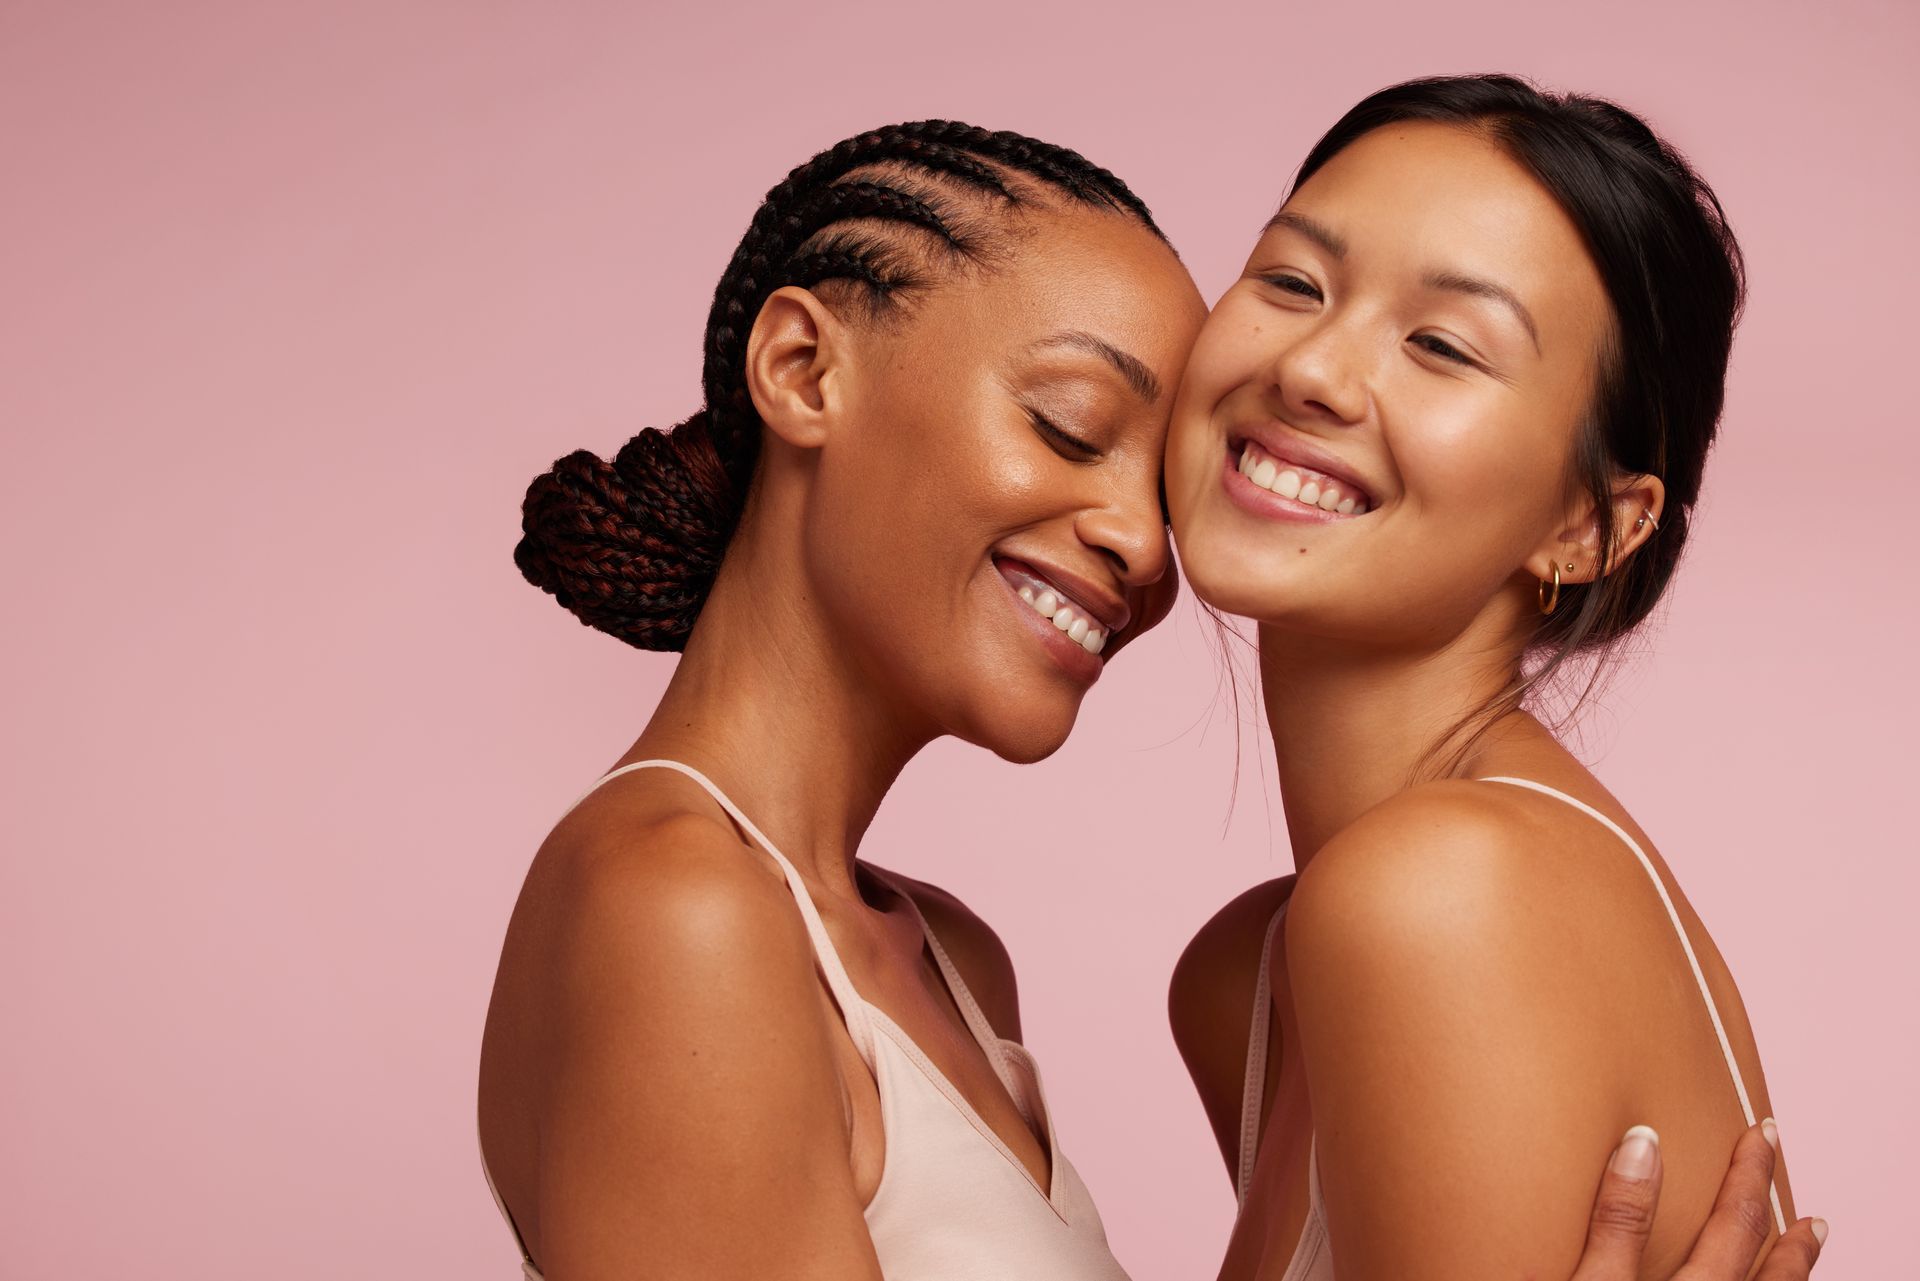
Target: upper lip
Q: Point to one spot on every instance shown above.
(1107, 607)
(1287, 446)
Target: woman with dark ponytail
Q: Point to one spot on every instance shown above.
(1443, 448)
(922, 499)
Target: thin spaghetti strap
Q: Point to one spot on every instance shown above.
(1253, 1091)
(970, 1010)
(852, 1007)
(1686, 945)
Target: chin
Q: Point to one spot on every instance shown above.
(1232, 581)
(1021, 736)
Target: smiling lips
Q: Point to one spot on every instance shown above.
(1052, 603)
(1301, 484)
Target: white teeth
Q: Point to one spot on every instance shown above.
(1050, 605)
(1270, 474)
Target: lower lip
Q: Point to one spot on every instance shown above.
(1067, 652)
(1269, 505)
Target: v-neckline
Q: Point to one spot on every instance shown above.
(995, 1050)
(967, 1112)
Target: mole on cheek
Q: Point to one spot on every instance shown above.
(1303, 551)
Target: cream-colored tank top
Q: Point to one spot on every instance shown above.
(954, 1202)
(1313, 1255)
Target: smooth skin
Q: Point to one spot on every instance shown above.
(666, 1087)
(1477, 988)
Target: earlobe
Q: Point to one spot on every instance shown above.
(793, 358)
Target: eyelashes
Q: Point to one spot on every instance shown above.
(1295, 285)
(1301, 287)
(1063, 442)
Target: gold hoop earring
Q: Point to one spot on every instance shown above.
(1549, 599)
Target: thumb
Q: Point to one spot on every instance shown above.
(1623, 1210)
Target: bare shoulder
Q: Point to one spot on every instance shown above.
(1210, 1002)
(972, 945)
(658, 1025)
(1453, 855)
(1459, 865)
(638, 914)
(664, 880)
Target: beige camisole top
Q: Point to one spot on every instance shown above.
(954, 1202)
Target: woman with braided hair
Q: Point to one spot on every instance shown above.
(921, 500)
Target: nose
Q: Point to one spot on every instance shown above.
(1129, 528)
(1321, 376)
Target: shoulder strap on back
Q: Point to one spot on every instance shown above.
(853, 1009)
(1686, 945)
(1255, 1087)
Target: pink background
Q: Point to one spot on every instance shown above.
(295, 298)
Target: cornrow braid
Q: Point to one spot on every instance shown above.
(632, 547)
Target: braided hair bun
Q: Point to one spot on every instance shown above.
(632, 547)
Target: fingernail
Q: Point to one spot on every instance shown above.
(1772, 1133)
(1633, 1159)
(1820, 1231)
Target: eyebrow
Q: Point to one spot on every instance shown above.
(1319, 233)
(1455, 282)
(1138, 376)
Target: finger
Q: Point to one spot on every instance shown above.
(1623, 1210)
(1742, 1215)
(1793, 1255)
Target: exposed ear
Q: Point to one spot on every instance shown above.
(795, 363)
(1632, 516)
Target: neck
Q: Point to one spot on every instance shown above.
(1353, 727)
(784, 721)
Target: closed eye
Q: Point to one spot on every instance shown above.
(1065, 444)
(1441, 348)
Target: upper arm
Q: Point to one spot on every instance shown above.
(975, 950)
(1210, 1005)
(1462, 1108)
(692, 1120)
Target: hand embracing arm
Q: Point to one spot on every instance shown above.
(1733, 1237)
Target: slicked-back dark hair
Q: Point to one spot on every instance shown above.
(1676, 283)
(632, 546)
